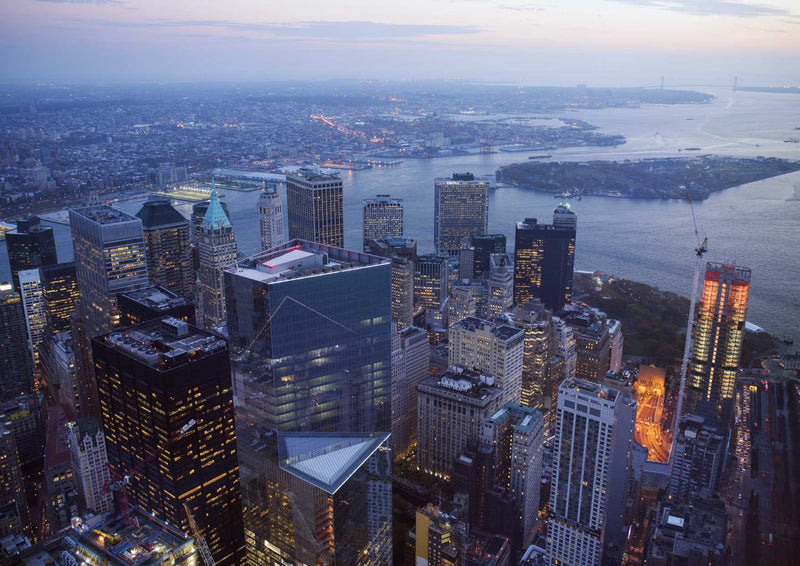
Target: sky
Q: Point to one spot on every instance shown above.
(530, 42)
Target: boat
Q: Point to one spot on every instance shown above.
(693, 148)
(792, 140)
(546, 156)
(788, 340)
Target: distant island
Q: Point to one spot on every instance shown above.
(771, 89)
(665, 178)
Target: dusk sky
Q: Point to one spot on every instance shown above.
(599, 42)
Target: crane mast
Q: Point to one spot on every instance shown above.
(202, 545)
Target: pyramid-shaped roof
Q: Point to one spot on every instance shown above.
(215, 217)
(326, 460)
(157, 213)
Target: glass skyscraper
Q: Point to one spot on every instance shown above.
(315, 206)
(30, 246)
(461, 210)
(383, 218)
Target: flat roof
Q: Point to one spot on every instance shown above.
(104, 214)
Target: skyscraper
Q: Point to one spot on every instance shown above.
(32, 293)
(109, 259)
(403, 252)
(315, 205)
(591, 455)
(460, 210)
(696, 460)
(544, 260)
(16, 364)
(494, 349)
(87, 449)
(30, 246)
(270, 217)
(535, 321)
(430, 281)
(60, 289)
(152, 380)
(383, 219)
(717, 343)
(13, 502)
(309, 326)
(482, 247)
(217, 247)
(415, 354)
(153, 302)
(199, 212)
(169, 251)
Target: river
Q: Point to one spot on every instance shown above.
(754, 225)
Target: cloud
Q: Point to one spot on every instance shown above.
(352, 30)
(712, 8)
(82, 1)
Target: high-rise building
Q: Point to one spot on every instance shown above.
(440, 537)
(217, 247)
(315, 205)
(591, 462)
(309, 325)
(451, 409)
(696, 460)
(717, 343)
(563, 217)
(535, 321)
(460, 211)
(60, 288)
(199, 212)
(60, 496)
(270, 217)
(16, 376)
(14, 517)
(153, 379)
(168, 246)
(403, 252)
(500, 291)
(153, 302)
(414, 355)
(482, 247)
(32, 293)
(616, 346)
(592, 346)
(430, 281)
(29, 246)
(110, 258)
(87, 449)
(494, 349)
(544, 260)
(516, 435)
(461, 304)
(383, 219)
(59, 372)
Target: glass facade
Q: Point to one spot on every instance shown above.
(461, 210)
(60, 288)
(316, 207)
(383, 218)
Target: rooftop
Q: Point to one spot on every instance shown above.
(164, 344)
(383, 200)
(464, 383)
(159, 213)
(314, 174)
(56, 449)
(215, 217)
(324, 460)
(157, 298)
(300, 258)
(499, 331)
(590, 389)
(526, 417)
(103, 214)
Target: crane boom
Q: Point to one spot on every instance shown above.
(202, 545)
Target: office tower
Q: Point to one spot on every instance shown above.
(60, 496)
(566, 347)
(315, 207)
(697, 459)
(217, 247)
(32, 293)
(30, 246)
(695, 533)
(60, 289)
(501, 292)
(494, 349)
(383, 219)
(270, 216)
(169, 251)
(152, 380)
(440, 536)
(153, 302)
(535, 321)
(460, 304)
(430, 281)
(451, 409)
(414, 355)
(405, 248)
(717, 343)
(544, 260)
(199, 212)
(592, 346)
(616, 346)
(14, 518)
(166, 175)
(24, 413)
(109, 259)
(16, 376)
(403, 252)
(563, 217)
(89, 460)
(58, 370)
(591, 452)
(310, 324)
(516, 435)
(400, 420)
(483, 246)
(460, 211)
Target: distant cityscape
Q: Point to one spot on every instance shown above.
(170, 399)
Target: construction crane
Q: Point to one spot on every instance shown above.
(202, 545)
(702, 248)
(119, 482)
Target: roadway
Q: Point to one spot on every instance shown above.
(648, 432)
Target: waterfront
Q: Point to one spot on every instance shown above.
(755, 225)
